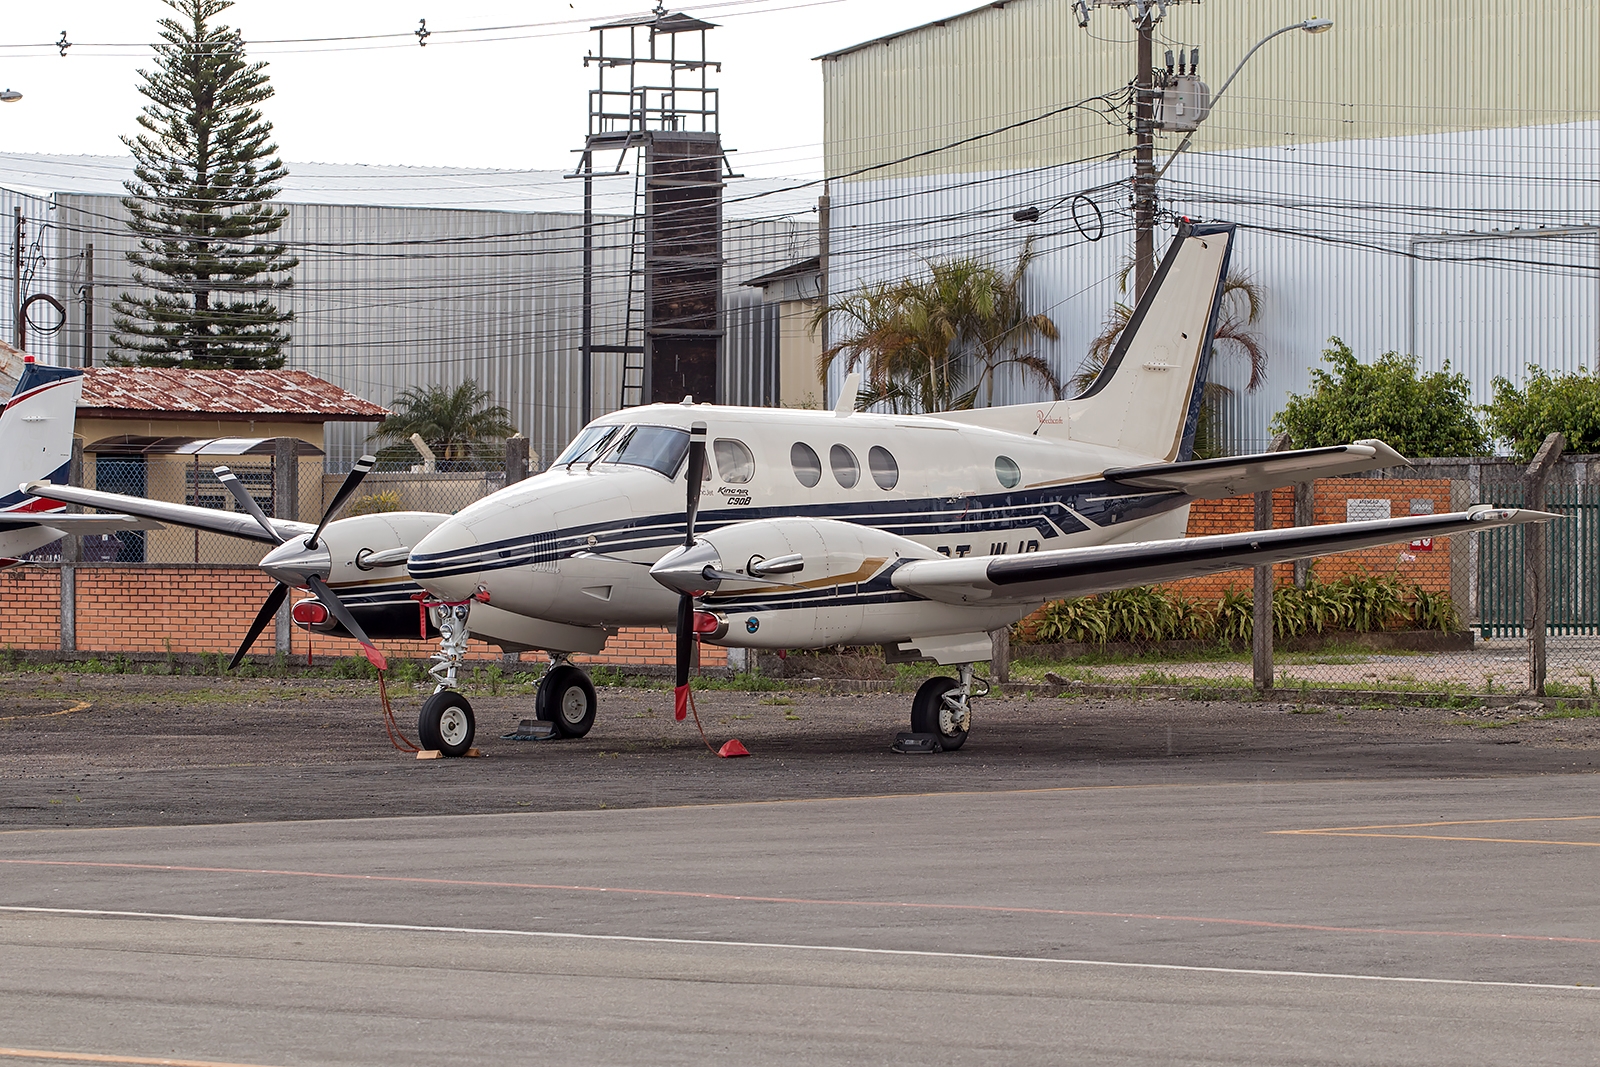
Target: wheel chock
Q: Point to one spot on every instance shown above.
(733, 748)
(531, 730)
(909, 742)
(430, 753)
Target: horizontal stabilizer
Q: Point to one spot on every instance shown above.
(1037, 576)
(232, 523)
(1212, 479)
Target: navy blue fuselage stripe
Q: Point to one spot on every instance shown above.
(1048, 512)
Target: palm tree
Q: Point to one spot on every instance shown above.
(1242, 300)
(935, 343)
(458, 424)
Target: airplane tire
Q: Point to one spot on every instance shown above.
(445, 723)
(926, 708)
(566, 698)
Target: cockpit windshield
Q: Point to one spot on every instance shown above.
(587, 445)
(661, 448)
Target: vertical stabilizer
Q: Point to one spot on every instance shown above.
(36, 434)
(1147, 399)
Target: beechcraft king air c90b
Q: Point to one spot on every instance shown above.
(763, 528)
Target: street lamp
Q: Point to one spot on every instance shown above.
(10, 96)
(1308, 26)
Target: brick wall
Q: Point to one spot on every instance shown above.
(1428, 567)
(30, 608)
(208, 609)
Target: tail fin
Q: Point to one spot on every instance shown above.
(1146, 401)
(36, 433)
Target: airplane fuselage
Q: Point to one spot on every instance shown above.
(573, 545)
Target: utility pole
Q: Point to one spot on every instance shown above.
(88, 305)
(824, 238)
(16, 280)
(1144, 158)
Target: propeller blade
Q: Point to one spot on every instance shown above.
(268, 610)
(231, 482)
(694, 475)
(680, 691)
(336, 606)
(362, 468)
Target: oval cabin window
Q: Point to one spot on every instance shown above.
(735, 462)
(885, 471)
(807, 467)
(1006, 469)
(846, 471)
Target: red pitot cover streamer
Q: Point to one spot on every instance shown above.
(680, 703)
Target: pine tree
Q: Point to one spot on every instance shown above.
(206, 172)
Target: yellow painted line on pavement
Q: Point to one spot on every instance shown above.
(1376, 831)
(83, 705)
(97, 1057)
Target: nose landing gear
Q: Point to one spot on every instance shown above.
(445, 722)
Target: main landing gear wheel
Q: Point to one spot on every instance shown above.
(566, 698)
(940, 707)
(445, 723)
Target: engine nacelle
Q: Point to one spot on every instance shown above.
(839, 593)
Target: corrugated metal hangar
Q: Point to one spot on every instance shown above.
(420, 276)
(1421, 178)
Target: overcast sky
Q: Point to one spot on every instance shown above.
(461, 101)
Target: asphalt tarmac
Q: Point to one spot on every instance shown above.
(1264, 888)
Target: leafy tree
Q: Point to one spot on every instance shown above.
(1416, 414)
(936, 343)
(1569, 403)
(1242, 301)
(464, 431)
(205, 173)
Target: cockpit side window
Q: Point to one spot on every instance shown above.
(586, 445)
(735, 463)
(661, 448)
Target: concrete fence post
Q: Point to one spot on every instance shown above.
(516, 459)
(1536, 559)
(1304, 515)
(1261, 597)
(285, 505)
(1000, 660)
(71, 553)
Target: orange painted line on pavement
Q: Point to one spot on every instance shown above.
(81, 706)
(905, 905)
(97, 1057)
(1372, 831)
(1450, 822)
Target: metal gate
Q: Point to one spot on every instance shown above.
(1574, 565)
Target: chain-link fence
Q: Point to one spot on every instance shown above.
(1441, 618)
(301, 493)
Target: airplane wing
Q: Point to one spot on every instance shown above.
(1069, 572)
(77, 524)
(1211, 479)
(232, 523)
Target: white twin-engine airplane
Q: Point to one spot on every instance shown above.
(776, 528)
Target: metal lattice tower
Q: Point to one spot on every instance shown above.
(656, 113)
